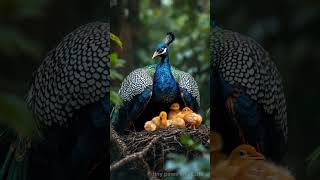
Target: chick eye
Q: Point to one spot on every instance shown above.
(242, 153)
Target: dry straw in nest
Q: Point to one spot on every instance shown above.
(146, 151)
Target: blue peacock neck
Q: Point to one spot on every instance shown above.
(163, 71)
(164, 63)
(165, 87)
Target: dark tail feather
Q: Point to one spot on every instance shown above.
(15, 164)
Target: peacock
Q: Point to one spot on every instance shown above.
(147, 91)
(69, 97)
(248, 101)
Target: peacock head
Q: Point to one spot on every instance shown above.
(162, 49)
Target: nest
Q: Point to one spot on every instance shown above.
(145, 152)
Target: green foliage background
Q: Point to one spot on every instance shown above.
(142, 28)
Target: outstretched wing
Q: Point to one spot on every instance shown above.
(188, 89)
(135, 92)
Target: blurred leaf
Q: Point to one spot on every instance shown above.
(22, 9)
(313, 159)
(190, 143)
(175, 161)
(115, 99)
(30, 8)
(115, 75)
(115, 61)
(198, 168)
(12, 41)
(116, 39)
(15, 114)
(166, 2)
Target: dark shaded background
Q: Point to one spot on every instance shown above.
(29, 29)
(289, 30)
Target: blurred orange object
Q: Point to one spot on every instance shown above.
(245, 163)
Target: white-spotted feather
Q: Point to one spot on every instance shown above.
(74, 74)
(241, 60)
(135, 83)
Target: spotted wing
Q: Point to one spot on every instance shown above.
(188, 88)
(73, 75)
(240, 60)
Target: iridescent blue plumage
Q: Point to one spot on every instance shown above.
(165, 87)
(147, 91)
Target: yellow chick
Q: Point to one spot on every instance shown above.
(264, 170)
(242, 155)
(157, 122)
(198, 121)
(245, 163)
(161, 120)
(150, 126)
(174, 110)
(193, 120)
(182, 113)
(185, 111)
(176, 123)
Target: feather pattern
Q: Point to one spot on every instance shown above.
(135, 83)
(69, 96)
(240, 62)
(72, 75)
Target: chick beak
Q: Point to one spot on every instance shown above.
(155, 54)
(258, 156)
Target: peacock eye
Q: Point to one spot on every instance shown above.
(242, 153)
(161, 50)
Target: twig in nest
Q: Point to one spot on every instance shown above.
(148, 150)
(134, 156)
(117, 139)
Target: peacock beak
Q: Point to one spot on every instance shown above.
(155, 54)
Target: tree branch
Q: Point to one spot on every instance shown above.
(134, 156)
